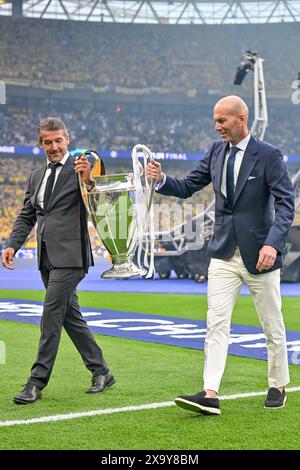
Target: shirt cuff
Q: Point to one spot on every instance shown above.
(161, 184)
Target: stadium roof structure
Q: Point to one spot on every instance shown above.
(157, 11)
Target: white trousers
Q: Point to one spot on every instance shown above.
(225, 279)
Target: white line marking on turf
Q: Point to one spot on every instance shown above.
(108, 411)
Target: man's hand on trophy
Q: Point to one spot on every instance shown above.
(82, 167)
(7, 258)
(154, 171)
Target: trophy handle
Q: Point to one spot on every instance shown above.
(144, 208)
(96, 163)
(97, 169)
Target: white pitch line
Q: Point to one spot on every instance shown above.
(108, 411)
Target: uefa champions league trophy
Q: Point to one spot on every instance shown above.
(121, 210)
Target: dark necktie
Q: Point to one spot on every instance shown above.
(50, 183)
(230, 175)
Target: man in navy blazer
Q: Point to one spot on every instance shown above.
(254, 210)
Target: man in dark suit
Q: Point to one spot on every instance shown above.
(253, 213)
(53, 200)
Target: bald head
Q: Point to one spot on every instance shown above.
(231, 117)
(233, 104)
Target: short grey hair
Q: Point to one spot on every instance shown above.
(52, 124)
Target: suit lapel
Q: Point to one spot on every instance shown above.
(220, 158)
(39, 177)
(62, 179)
(248, 163)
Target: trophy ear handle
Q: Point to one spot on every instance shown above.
(98, 169)
(96, 163)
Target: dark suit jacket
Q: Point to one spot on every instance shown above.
(64, 223)
(263, 207)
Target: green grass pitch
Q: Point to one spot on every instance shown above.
(146, 373)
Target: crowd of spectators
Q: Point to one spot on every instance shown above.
(114, 127)
(14, 174)
(177, 58)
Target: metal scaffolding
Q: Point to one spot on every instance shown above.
(156, 11)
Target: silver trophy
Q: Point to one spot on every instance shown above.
(120, 207)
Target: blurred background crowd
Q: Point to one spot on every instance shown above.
(119, 85)
(176, 58)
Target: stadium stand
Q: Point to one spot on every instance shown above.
(180, 58)
(115, 127)
(133, 60)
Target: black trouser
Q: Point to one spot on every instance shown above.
(61, 309)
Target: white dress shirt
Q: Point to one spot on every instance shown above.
(242, 145)
(40, 197)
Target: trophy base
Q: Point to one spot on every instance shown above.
(123, 271)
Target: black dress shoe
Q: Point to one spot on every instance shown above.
(29, 394)
(275, 398)
(199, 403)
(101, 382)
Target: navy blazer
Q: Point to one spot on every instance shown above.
(263, 207)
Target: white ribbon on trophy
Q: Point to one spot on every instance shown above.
(144, 209)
